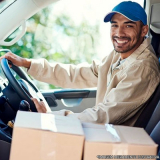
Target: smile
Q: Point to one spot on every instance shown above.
(121, 41)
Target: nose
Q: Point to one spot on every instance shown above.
(120, 31)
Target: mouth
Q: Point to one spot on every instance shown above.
(121, 41)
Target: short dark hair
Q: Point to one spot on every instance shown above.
(141, 24)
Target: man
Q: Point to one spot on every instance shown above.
(125, 79)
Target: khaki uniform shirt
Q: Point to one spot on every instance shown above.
(121, 89)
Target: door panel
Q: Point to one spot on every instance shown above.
(70, 99)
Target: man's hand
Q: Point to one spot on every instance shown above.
(16, 60)
(40, 106)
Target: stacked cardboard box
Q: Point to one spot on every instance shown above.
(117, 142)
(39, 136)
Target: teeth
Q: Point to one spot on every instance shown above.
(121, 41)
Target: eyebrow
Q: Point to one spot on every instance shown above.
(130, 22)
(113, 22)
(127, 22)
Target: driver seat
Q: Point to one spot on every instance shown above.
(148, 109)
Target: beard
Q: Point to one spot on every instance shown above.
(129, 47)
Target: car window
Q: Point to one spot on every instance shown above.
(69, 31)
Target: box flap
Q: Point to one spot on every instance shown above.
(100, 133)
(114, 133)
(44, 121)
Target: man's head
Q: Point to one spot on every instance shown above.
(128, 27)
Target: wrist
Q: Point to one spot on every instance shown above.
(27, 63)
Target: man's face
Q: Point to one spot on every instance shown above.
(126, 35)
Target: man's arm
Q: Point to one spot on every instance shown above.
(65, 75)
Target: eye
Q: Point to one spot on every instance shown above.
(129, 26)
(114, 25)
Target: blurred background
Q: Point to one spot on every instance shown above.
(69, 31)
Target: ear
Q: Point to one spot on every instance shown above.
(144, 30)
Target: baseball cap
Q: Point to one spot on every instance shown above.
(130, 10)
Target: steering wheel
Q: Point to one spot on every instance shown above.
(24, 87)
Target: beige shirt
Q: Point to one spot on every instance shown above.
(121, 90)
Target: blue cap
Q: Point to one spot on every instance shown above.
(130, 10)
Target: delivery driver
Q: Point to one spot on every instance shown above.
(125, 79)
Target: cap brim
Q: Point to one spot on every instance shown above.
(108, 17)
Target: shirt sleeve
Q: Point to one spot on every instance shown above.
(65, 75)
(137, 84)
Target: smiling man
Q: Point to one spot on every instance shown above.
(125, 79)
(126, 35)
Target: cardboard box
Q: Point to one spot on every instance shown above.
(117, 142)
(39, 136)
